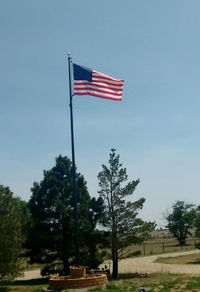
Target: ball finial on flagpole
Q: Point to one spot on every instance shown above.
(69, 55)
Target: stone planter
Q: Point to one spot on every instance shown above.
(77, 280)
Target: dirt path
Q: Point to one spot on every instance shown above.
(147, 264)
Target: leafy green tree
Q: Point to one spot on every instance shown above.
(11, 234)
(120, 217)
(51, 205)
(180, 220)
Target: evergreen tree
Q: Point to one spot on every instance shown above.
(11, 234)
(120, 216)
(52, 209)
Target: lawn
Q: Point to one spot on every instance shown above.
(162, 282)
(154, 283)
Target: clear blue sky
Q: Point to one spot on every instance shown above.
(153, 45)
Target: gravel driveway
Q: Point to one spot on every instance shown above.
(147, 264)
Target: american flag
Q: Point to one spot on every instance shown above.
(91, 82)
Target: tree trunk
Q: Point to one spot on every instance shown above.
(66, 265)
(114, 256)
(115, 265)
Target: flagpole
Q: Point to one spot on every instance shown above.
(73, 165)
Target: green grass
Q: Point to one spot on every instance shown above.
(158, 282)
(194, 283)
(153, 283)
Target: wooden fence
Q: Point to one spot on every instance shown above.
(157, 247)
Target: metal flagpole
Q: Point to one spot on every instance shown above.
(73, 166)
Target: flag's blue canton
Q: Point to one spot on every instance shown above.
(82, 73)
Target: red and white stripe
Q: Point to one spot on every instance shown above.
(102, 86)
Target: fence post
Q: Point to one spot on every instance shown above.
(163, 247)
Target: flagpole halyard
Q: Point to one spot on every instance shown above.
(77, 257)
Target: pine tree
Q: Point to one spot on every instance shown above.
(51, 205)
(120, 216)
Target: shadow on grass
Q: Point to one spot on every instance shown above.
(3, 289)
(33, 282)
(127, 276)
(195, 262)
